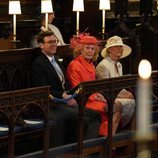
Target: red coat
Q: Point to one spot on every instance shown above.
(80, 70)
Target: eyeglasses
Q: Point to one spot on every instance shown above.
(52, 42)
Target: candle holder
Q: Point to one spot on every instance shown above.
(14, 9)
(16, 43)
(104, 5)
(78, 6)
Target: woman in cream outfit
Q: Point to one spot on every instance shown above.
(110, 67)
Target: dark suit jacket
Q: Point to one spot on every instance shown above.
(43, 74)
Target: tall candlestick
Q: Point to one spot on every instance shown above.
(46, 21)
(78, 6)
(77, 23)
(103, 23)
(14, 9)
(14, 27)
(143, 101)
(104, 5)
(46, 7)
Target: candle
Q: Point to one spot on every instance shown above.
(104, 5)
(14, 8)
(46, 21)
(78, 6)
(14, 27)
(77, 22)
(103, 23)
(143, 100)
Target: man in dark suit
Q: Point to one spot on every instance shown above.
(47, 70)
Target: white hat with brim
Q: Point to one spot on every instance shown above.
(116, 41)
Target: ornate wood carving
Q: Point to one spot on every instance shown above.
(12, 106)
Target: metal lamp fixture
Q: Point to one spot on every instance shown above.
(14, 9)
(78, 6)
(46, 7)
(104, 5)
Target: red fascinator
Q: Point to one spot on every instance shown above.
(88, 40)
(83, 39)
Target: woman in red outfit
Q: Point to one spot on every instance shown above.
(82, 69)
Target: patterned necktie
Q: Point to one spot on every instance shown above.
(58, 70)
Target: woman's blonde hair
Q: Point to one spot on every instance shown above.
(78, 42)
(79, 47)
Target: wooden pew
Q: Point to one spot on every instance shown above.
(109, 88)
(15, 67)
(12, 106)
(69, 150)
(101, 145)
(15, 74)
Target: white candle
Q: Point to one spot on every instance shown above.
(78, 6)
(104, 5)
(77, 22)
(46, 21)
(143, 100)
(14, 27)
(103, 21)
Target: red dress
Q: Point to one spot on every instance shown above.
(80, 70)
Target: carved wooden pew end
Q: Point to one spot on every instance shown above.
(12, 106)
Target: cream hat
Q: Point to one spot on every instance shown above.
(116, 41)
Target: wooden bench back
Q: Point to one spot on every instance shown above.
(109, 88)
(15, 66)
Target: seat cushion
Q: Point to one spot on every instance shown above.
(4, 129)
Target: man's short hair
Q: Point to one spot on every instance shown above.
(44, 34)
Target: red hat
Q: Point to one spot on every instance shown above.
(88, 40)
(83, 39)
